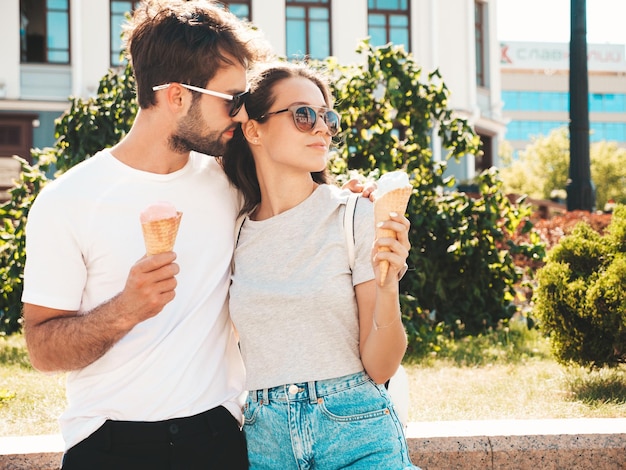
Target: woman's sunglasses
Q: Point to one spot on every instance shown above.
(237, 101)
(305, 117)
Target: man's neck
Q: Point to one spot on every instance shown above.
(146, 148)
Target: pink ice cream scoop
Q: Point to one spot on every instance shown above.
(159, 222)
(157, 211)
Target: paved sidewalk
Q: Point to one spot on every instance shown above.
(546, 444)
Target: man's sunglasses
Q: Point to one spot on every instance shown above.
(238, 100)
(305, 117)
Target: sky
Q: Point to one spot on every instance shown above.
(549, 21)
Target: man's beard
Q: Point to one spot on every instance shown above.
(185, 138)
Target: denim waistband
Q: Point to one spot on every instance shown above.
(308, 391)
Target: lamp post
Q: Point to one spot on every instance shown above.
(580, 189)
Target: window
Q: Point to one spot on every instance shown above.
(45, 31)
(607, 102)
(556, 101)
(389, 21)
(239, 9)
(485, 160)
(16, 138)
(535, 101)
(308, 28)
(119, 10)
(559, 101)
(480, 30)
(613, 131)
(16, 134)
(525, 130)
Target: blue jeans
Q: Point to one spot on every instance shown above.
(347, 422)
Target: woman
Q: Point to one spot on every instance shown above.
(317, 338)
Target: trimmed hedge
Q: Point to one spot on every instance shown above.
(581, 295)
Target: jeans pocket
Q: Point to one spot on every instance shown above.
(362, 402)
(250, 411)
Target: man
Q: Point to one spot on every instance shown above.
(154, 373)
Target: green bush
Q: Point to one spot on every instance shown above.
(581, 295)
(13, 214)
(463, 269)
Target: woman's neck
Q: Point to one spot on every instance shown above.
(281, 193)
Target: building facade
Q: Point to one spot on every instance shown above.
(535, 90)
(56, 49)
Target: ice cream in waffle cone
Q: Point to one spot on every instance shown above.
(392, 195)
(159, 223)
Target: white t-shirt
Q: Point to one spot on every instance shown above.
(83, 236)
(292, 298)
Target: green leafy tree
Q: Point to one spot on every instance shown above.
(544, 167)
(608, 172)
(581, 295)
(390, 115)
(12, 240)
(461, 272)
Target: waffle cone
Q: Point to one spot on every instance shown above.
(395, 200)
(160, 235)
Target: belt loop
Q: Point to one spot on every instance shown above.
(266, 396)
(254, 395)
(312, 392)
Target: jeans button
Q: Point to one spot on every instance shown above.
(293, 389)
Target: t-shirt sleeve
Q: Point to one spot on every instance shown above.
(364, 234)
(55, 273)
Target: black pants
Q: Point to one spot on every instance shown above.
(210, 440)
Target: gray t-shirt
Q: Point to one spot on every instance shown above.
(292, 297)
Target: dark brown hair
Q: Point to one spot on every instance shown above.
(238, 162)
(185, 42)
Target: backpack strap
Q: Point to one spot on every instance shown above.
(348, 226)
(238, 226)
